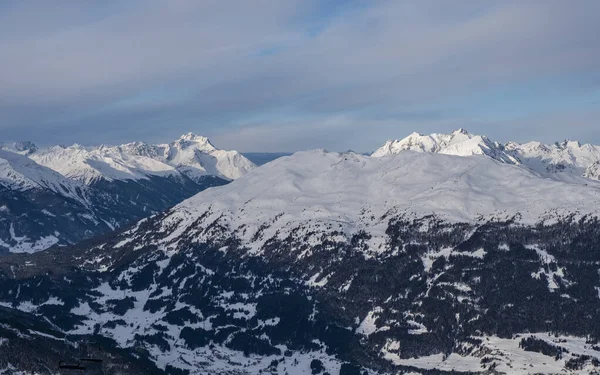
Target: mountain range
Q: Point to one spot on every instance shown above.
(61, 195)
(191, 155)
(412, 260)
(561, 160)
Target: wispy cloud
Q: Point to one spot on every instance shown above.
(95, 71)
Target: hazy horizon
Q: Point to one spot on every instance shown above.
(244, 151)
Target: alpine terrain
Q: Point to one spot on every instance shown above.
(62, 195)
(464, 257)
(566, 160)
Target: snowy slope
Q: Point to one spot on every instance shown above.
(100, 190)
(20, 173)
(191, 155)
(318, 190)
(566, 161)
(38, 205)
(90, 165)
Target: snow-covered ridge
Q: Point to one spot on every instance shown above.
(460, 143)
(318, 191)
(191, 155)
(195, 157)
(565, 161)
(567, 158)
(18, 172)
(89, 165)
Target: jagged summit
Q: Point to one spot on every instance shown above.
(195, 156)
(191, 137)
(191, 140)
(194, 137)
(191, 155)
(567, 160)
(460, 142)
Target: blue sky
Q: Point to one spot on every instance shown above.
(272, 75)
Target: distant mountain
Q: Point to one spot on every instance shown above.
(191, 155)
(95, 190)
(566, 160)
(561, 159)
(329, 263)
(459, 142)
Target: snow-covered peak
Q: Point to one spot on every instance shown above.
(191, 140)
(460, 142)
(460, 131)
(189, 136)
(435, 142)
(196, 157)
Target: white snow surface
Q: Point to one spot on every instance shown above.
(195, 156)
(324, 191)
(564, 160)
(460, 143)
(18, 172)
(506, 354)
(191, 155)
(88, 165)
(567, 161)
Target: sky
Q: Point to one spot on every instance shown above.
(287, 75)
